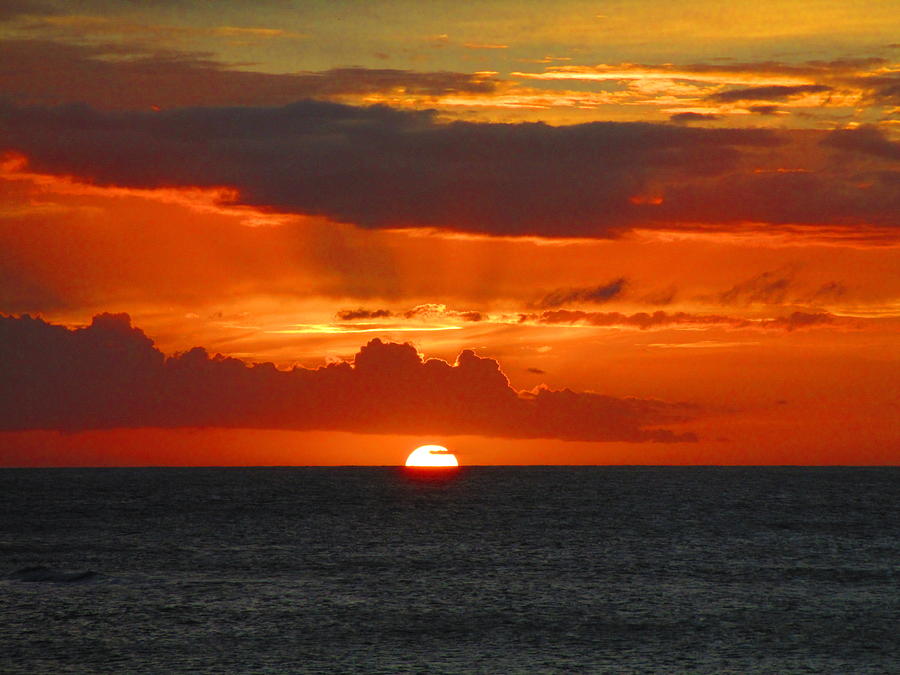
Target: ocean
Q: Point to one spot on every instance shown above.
(485, 570)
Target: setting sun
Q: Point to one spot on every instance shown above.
(432, 456)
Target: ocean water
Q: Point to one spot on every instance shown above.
(492, 570)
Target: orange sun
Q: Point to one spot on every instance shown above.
(432, 456)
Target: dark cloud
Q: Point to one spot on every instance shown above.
(798, 320)
(766, 288)
(883, 89)
(835, 198)
(811, 68)
(354, 314)
(431, 310)
(377, 167)
(642, 320)
(428, 310)
(136, 79)
(109, 374)
(778, 287)
(829, 292)
(594, 294)
(662, 296)
(645, 321)
(13, 9)
(773, 92)
(764, 109)
(683, 117)
(536, 371)
(867, 139)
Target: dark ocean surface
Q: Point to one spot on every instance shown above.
(495, 570)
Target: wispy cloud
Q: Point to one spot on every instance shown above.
(656, 320)
(594, 294)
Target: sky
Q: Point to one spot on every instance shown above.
(325, 233)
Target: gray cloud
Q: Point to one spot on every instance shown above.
(768, 288)
(110, 375)
(355, 314)
(685, 117)
(660, 319)
(768, 93)
(13, 9)
(378, 167)
(865, 139)
(594, 294)
(764, 109)
(138, 79)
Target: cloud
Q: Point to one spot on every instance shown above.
(437, 310)
(110, 375)
(661, 296)
(848, 82)
(660, 319)
(87, 27)
(355, 314)
(594, 294)
(759, 73)
(641, 320)
(378, 167)
(865, 139)
(768, 93)
(828, 292)
(136, 78)
(764, 109)
(684, 117)
(882, 89)
(767, 288)
(424, 311)
(13, 9)
(834, 197)
(799, 320)
(778, 287)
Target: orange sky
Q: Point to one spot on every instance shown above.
(700, 243)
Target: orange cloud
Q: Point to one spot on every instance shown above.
(767, 73)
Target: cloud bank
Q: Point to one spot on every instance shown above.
(110, 375)
(377, 167)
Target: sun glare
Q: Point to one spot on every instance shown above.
(432, 456)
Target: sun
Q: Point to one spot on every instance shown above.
(432, 456)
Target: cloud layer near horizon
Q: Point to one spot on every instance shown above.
(378, 167)
(110, 375)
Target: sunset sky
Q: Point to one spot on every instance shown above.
(608, 232)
